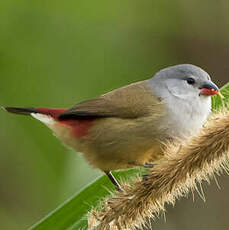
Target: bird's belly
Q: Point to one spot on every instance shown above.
(121, 156)
(115, 143)
(112, 143)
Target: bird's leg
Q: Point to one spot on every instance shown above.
(114, 181)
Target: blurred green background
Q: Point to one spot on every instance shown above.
(57, 53)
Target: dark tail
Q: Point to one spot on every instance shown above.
(53, 112)
(22, 111)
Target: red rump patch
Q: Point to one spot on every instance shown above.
(79, 128)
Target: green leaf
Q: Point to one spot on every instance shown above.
(217, 102)
(71, 215)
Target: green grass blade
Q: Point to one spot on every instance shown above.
(217, 102)
(71, 214)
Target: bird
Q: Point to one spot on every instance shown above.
(127, 127)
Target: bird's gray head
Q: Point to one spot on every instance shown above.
(184, 81)
(186, 90)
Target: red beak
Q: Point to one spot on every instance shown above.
(210, 89)
(209, 92)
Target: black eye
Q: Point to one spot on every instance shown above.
(191, 81)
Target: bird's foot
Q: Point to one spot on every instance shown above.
(145, 177)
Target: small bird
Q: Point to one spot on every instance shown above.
(127, 127)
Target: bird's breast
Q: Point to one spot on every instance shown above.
(185, 117)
